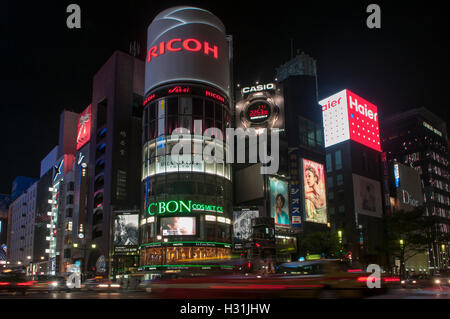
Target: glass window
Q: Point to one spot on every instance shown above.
(172, 106)
(330, 195)
(330, 182)
(218, 112)
(338, 159)
(197, 107)
(339, 180)
(209, 109)
(186, 105)
(341, 209)
(329, 164)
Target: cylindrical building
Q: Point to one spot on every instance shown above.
(187, 203)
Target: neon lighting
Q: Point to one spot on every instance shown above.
(177, 45)
(151, 97)
(178, 89)
(181, 207)
(396, 175)
(214, 96)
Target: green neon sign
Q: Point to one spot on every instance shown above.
(180, 206)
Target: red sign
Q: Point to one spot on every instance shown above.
(176, 45)
(363, 121)
(84, 127)
(215, 96)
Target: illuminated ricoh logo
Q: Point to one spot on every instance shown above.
(178, 45)
(181, 206)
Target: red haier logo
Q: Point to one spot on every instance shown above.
(331, 104)
(177, 45)
(363, 121)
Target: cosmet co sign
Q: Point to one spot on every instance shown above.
(180, 206)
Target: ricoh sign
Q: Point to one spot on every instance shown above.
(349, 116)
(187, 44)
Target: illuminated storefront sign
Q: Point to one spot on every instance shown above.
(314, 192)
(84, 128)
(348, 116)
(181, 206)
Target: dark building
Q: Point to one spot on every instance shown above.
(113, 155)
(4, 206)
(354, 174)
(186, 207)
(418, 138)
(19, 185)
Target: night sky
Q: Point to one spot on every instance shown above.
(46, 67)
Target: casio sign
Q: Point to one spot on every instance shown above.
(258, 88)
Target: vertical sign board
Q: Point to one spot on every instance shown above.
(294, 190)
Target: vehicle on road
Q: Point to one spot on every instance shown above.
(44, 283)
(15, 282)
(100, 284)
(310, 279)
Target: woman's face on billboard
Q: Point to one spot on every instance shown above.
(310, 178)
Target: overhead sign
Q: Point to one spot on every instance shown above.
(258, 88)
(348, 116)
(187, 44)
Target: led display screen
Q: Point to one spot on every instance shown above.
(348, 116)
(178, 226)
(279, 207)
(314, 191)
(126, 230)
(258, 112)
(84, 127)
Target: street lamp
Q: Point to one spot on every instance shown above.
(402, 256)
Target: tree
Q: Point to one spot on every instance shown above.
(320, 242)
(408, 233)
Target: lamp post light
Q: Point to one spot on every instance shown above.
(402, 257)
(340, 242)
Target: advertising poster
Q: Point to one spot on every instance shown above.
(242, 225)
(279, 207)
(314, 192)
(126, 230)
(178, 226)
(367, 194)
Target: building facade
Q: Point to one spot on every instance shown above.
(186, 206)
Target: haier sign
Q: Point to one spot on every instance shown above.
(348, 116)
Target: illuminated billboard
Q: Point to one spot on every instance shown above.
(279, 207)
(260, 107)
(126, 233)
(84, 127)
(187, 44)
(178, 226)
(367, 195)
(242, 225)
(314, 192)
(349, 116)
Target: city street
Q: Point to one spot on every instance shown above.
(393, 294)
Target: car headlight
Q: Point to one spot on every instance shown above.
(115, 286)
(402, 282)
(103, 286)
(414, 281)
(54, 284)
(437, 281)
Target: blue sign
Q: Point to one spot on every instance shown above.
(294, 193)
